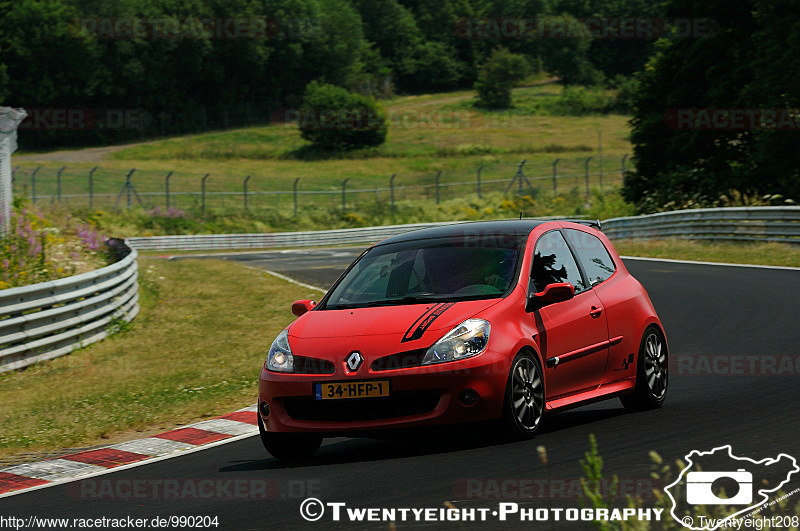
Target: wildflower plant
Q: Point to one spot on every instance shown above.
(32, 250)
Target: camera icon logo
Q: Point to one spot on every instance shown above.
(701, 487)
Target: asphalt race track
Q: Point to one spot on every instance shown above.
(719, 320)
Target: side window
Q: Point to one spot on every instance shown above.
(594, 257)
(553, 262)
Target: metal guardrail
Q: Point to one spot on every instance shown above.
(211, 242)
(771, 224)
(780, 224)
(208, 242)
(50, 319)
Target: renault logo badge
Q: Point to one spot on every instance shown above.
(354, 360)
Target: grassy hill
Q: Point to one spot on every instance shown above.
(428, 134)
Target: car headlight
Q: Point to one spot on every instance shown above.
(280, 357)
(464, 341)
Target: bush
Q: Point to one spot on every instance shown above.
(497, 76)
(626, 88)
(333, 119)
(578, 101)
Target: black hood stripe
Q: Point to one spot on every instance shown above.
(424, 321)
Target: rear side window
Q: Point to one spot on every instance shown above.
(553, 263)
(593, 255)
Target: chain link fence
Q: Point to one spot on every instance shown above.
(105, 188)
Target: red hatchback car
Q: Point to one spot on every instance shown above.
(498, 320)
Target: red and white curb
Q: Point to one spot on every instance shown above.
(186, 439)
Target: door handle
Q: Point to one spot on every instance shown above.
(595, 312)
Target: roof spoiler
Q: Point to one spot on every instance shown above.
(591, 223)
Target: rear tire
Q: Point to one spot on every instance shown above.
(289, 446)
(524, 402)
(652, 374)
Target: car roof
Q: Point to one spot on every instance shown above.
(506, 227)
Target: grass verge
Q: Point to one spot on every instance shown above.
(193, 352)
(757, 253)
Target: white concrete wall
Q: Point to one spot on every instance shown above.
(9, 121)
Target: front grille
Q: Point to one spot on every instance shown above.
(346, 410)
(303, 365)
(402, 360)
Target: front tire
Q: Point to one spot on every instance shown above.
(524, 400)
(289, 446)
(651, 373)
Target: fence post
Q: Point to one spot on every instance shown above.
(58, 183)
(600, 156)
(166, 186)
(91, 186)
(245, 191)
(624, 157)
(344, 194)
(391, 188)
(33, 183)
(555, 176)
(128, 186)
(438, 175)
(480, 168)
(586, 174)
(14, 171)
(297, 180)
(203, 193)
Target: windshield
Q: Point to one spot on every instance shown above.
(443, 269)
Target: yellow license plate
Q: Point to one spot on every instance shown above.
(363, 389)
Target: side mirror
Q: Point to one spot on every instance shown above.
(301, 307)
(552, 293)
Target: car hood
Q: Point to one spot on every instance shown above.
(412, 321)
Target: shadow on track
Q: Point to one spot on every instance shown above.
(429, 441)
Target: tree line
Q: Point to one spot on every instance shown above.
(149, 60)
(717, 118)
(714, 107)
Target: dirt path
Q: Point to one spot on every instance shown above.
(96, 154)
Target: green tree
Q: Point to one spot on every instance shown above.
(428, 67)
(497, 76)
(44, 65)
(774, 160)
(676, 165)
(390, 26)
(336, 50)
(333, 119)
(568, 57)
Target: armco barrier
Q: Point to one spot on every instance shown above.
(781, 224)
(774, 224)
(273, 239)
(50, 319)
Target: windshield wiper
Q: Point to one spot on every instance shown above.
(409, 299)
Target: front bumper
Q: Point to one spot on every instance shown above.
(420, 396)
